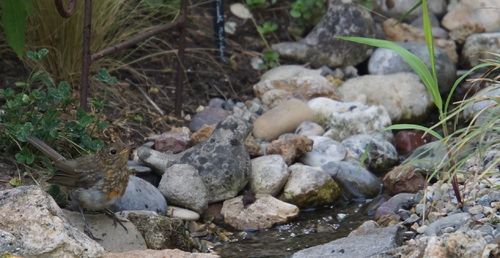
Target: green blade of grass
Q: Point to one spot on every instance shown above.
(459, 80)
(416, 127)
(429, 39)
(405, 15)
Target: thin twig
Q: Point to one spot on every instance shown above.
(146, 96)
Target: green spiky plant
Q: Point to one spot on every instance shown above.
(457, 141)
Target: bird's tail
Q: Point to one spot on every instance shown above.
(46, 149)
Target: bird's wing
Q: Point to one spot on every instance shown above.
(81, 172)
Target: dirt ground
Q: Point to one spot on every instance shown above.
(207, 76)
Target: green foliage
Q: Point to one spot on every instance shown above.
(267, 27)
(308, 12)
(270, 60)
(15, 182)
(45, 113)
(56, 193)
(14, 23)
(104, 76)
(256, 4)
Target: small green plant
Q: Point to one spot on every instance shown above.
(255, 4)
(267, 27)
(270, 60)
(308, 13)
(40, 107)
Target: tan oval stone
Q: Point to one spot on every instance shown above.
(284, 118)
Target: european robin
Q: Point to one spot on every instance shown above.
(95, 181)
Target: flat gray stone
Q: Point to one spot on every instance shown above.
(371, 243)
(114, 239)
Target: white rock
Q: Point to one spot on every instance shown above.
(324, 150)
(269, 174)
(377, 152)
(396, 8)
(39, 226)
(255, 62)
(230, 27)
(240, 11)
(344, 119)
(309, 128)
(182, 185)
(303, 87)
(263, 213)
(402, 94)
(471, 12)
(180, 213)
(285, 72)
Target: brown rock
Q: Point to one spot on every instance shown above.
(290, 148)
(403, 179)
(408, 140)
(388, 219)
(212, 213)
(253, 147)
(202, 134)
(461, 34)
(171, 141)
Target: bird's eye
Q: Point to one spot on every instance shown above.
(113, 152)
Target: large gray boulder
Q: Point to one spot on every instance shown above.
(32, 225)
(222, 161)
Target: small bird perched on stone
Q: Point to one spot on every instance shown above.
(95, 181)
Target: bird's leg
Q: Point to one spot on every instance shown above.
(86, 227)
(116, 219)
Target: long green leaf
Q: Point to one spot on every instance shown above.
(14, 23)
(415, 62)
(429, 39)
(415, 127)
(405, 15)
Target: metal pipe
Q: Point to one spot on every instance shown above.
(179, 80)
(86, 61)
